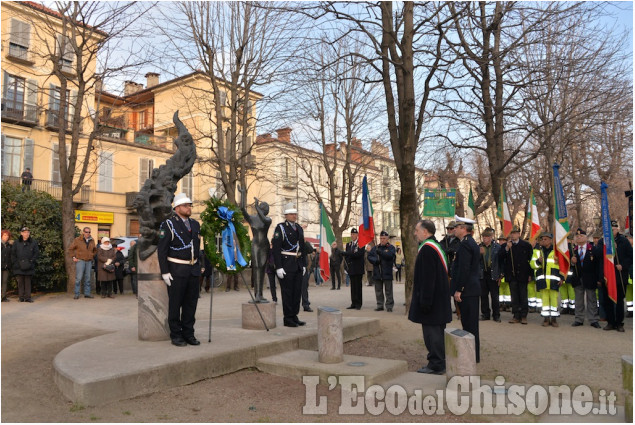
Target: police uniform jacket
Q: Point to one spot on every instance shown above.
(430, 291)
(383, 258)
(354, 257)
(288, 239)
(176, 242)
(465, 270)
(450, 245)
(585, 272)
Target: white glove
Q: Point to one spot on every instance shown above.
(167, 278)
(281, 273)
(303, 271)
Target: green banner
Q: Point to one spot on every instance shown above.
(439, 203)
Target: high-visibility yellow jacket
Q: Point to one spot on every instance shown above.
(548, 272)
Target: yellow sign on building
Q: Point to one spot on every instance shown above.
(102, 217)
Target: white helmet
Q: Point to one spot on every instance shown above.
(181, 199)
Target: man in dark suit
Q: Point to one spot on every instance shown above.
(354, 257)
(466, 287)
(517, 271)
(430, 303)
(290, 261)
(584, 280)
(178, 252)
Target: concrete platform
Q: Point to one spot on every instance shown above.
(118, 366)
(299, 363)
(411, 381)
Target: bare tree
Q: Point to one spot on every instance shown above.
(77, 41)
(239, 47)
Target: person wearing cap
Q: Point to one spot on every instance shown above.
(622, 260)
(27, 179)
(490, 273)
(6, 262)
(24, 255)
(450, 243)
(178, 253)
(382, 257)
(465, 286)
(548, 279)
(82, 252)
(106, 256)
(290, 262)
(516, 255)
(505, 295)
(584, 281)
(354, 258)
(430, 302)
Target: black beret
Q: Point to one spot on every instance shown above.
(580, 231)
(354, 230)
(384, 233)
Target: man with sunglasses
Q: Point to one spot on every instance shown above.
(82, 251)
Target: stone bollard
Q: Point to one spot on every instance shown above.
(252, 320)
(627, 383)
(153, 301)
(330, 335)
(460, 353)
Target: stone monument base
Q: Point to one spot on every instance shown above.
(153, 301)
(460, 353)
(330, 335)
(252, 320)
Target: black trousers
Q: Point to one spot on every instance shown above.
(518, 290)
(183, 298)
(272, 286)
(305, 289)
(615, 312)
(489, 288)
(336, 274)
(434, 338)
(291, 288)
(469, 320)
(356, 290)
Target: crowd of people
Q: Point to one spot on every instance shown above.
(513, 274)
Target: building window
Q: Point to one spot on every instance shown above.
(65, 53)
(142, 119)
(55, 106)
(145, 170)
(56, 176)
(105, 172)
(13, 98)
(186, 184)
(19, 40)
(11, 156)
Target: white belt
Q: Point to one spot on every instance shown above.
(291, 254)
(179, 261)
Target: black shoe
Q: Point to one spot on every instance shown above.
(497, 319)
(88, 296)
(338, 288)
(5, 300)
(275, 300)
(575, 324)
(21, 300)
(429, 371)
(308, 309)
(30, 300)
(300, 323)
(596, 325)
(483, 318)
(291, 324)
(389, 310)
(358, 308)
(609, 327)
(76, 297)
(179, 342)
(333, 288)
(379, 309)
(620, 328)
(192, 341)
(351, 307)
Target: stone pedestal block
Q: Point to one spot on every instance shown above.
(460, 353)
(330, 336)
(153, 301)
(252, 320)
(627, 383)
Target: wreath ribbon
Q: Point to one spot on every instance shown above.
(229, 241)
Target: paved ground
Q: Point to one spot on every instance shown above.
(32, 334)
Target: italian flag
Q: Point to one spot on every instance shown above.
(327, 237)
(609, 247)
(533, 217)
(366, 225)
(470, 212)
(502, 213)
(561, 224)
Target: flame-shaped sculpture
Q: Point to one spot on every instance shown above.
(154, 201)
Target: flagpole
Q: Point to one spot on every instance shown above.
(319, 270)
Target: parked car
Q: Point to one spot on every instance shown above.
(123, 241)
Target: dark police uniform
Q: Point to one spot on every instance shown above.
(178, 253)
(288, 254)
(354, 257)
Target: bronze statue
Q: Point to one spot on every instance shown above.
(259, 224)
(154, 201)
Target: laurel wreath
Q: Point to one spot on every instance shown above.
(212, 225)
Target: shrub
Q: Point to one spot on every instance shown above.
(43, 215)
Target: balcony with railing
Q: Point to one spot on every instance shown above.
(52, 118)
(152, 140)
(130, 198)
(52, 188)
(19, 112)
(20, 54)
